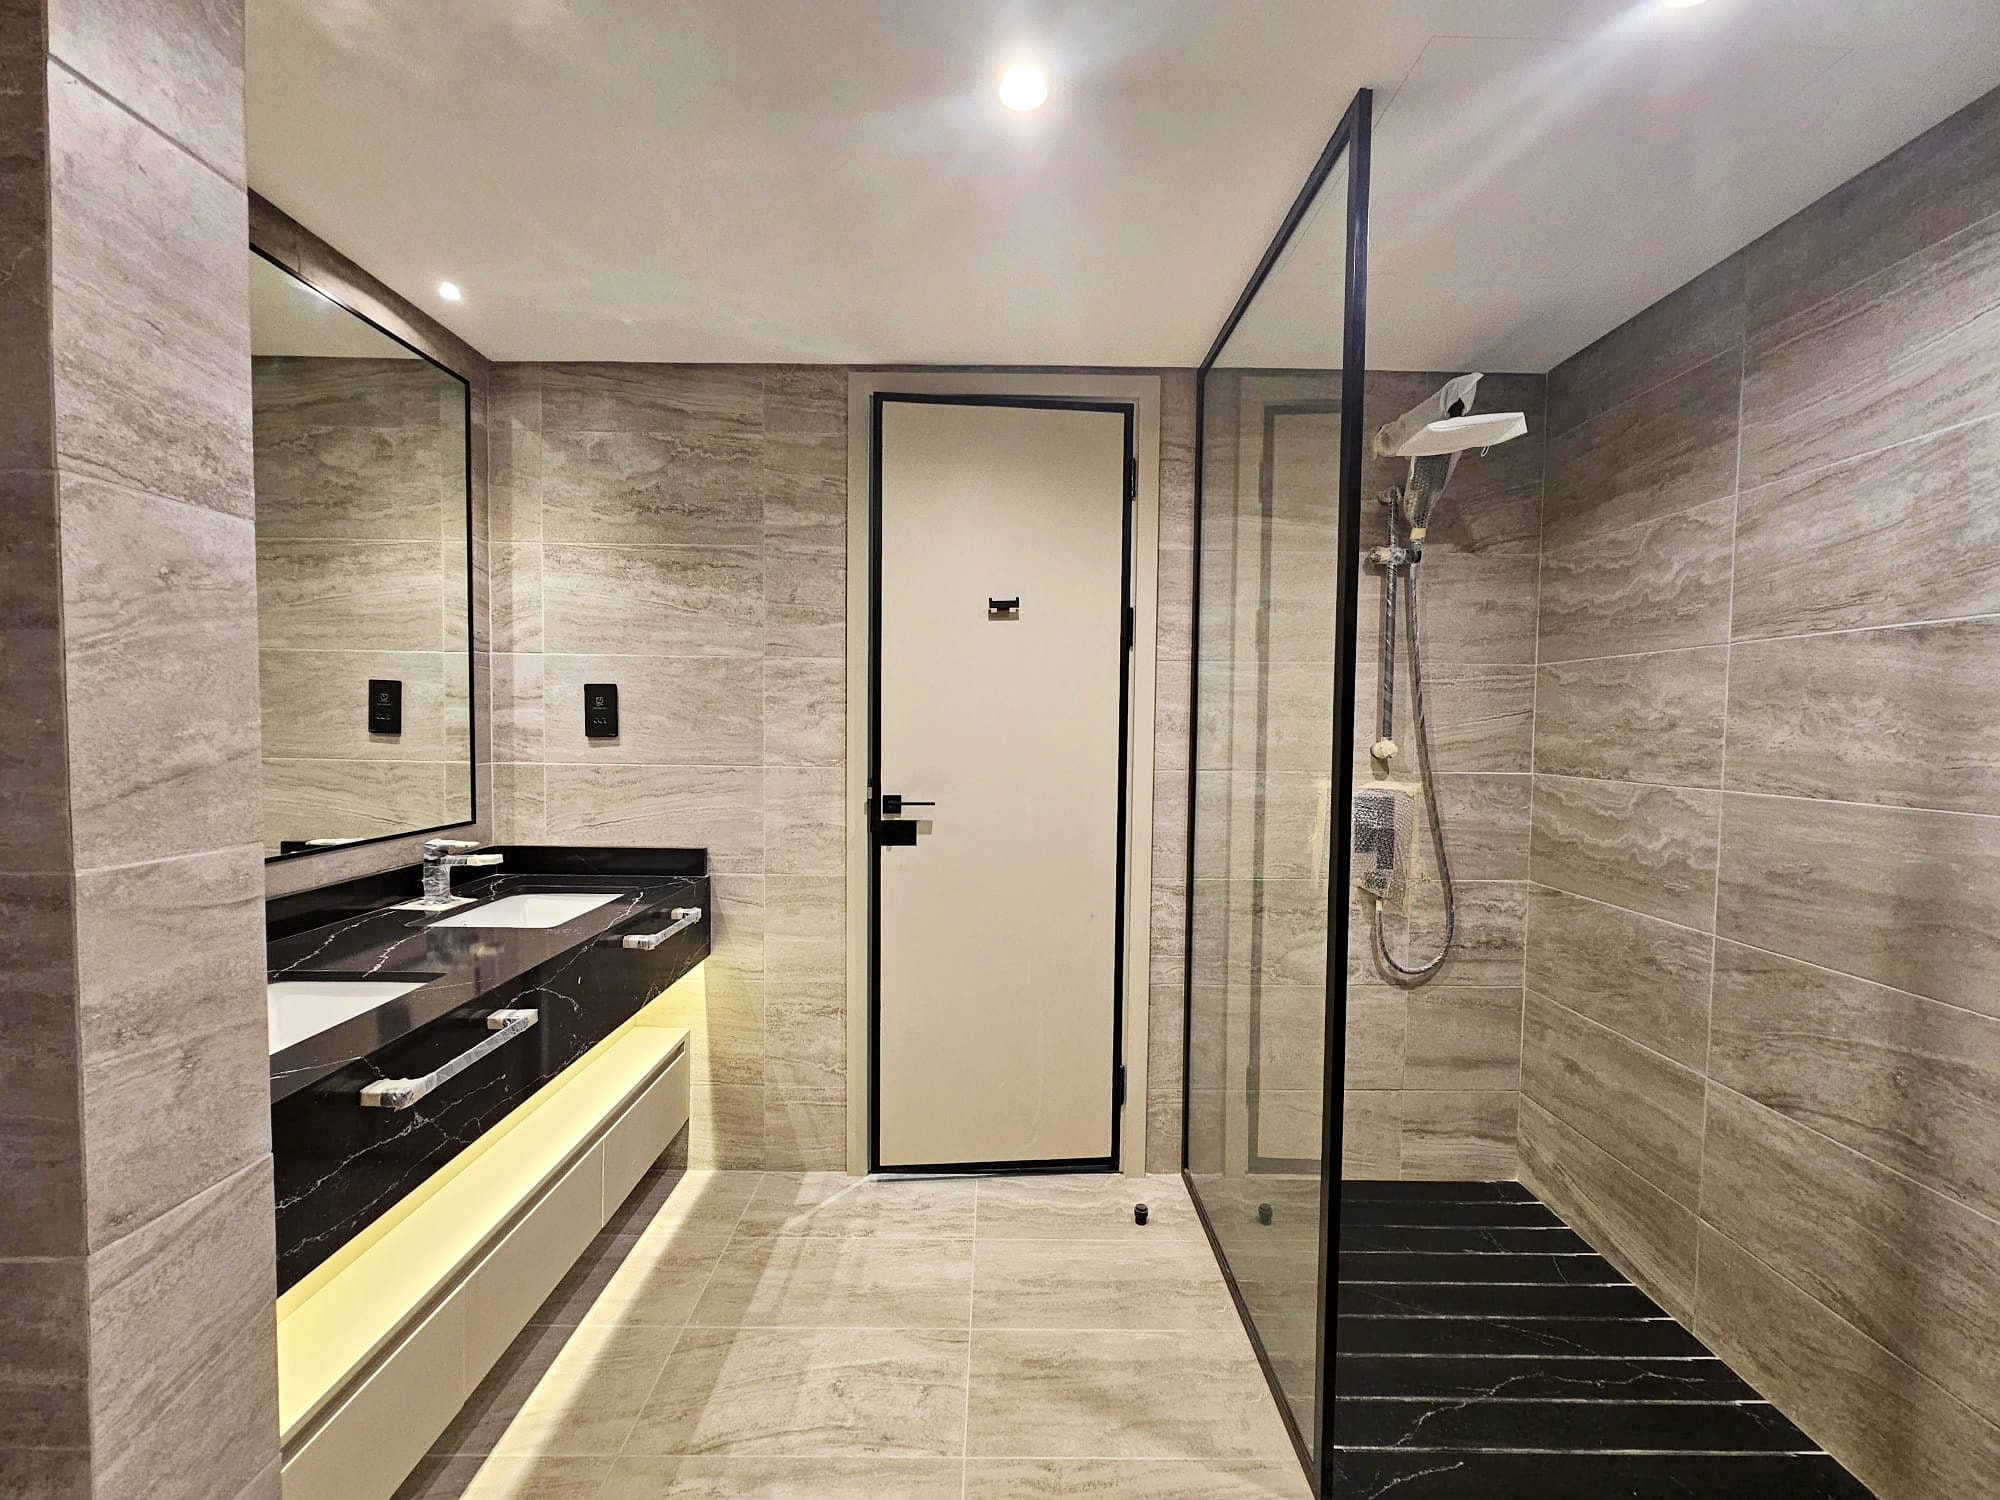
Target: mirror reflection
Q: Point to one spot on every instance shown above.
(363, 603)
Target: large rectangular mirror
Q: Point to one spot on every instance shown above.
(363, 575)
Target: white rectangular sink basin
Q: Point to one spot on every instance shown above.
(299, 1008)
(536, 909)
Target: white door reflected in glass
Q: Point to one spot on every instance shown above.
(535, 909)
(299, 1008)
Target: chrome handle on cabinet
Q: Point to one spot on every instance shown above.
(401, 1093)
(684, 917)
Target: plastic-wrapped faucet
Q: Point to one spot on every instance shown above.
(1385, 816)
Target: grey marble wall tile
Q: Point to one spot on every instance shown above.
(714, 807)
(184, 1379)
(1489, 945)
(725, 1021)
(517, 715)
(1857, 543)
(1486, 823)
(350, 595)
(1905, 1081)
(1462, 1038)
(45, 1364)
(728, 1128)
(1477, 608)
(1902, 716)
(41, 1140)
(151, 303)
(1899, 1433)
(27, 418)
(805, 1129)
(1643, 1108)
(1657, 586)
(1906, 352)
(1685, 328)
(1279, 716)
(1650, 849)
(680, 711)
(1927, 191)
(736, 925)
(1281, 600)
(805, 1034)
(1668, 450)
(805, 598)
(315, 704)
(1166, 936)
(1481, 718)
(1908, 899)
(1275, 933)
(34, 816)
(517, 610)
(520, 815)
(805, 928)
(1371, 1144)
(1165, 1028)
(1642, 977)
(1908, 1267)
(805, 456)
(668, 601)
(1459, 1134)
(1654, 718)
(1377, 1027)
(353, 799)
(694, 484)
(158, 614)
(805, 722)
(805, 820)
(709, 401)
(514, 449)
(1250, 826)
(178, 65)
(1291, 1035)
(168, 954)
(1641, 1230)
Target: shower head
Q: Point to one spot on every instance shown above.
(1433, 435)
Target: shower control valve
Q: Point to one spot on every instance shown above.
(1392, 557)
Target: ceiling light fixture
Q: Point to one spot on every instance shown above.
(1023, 87)
(449, 291)
(1682, 4)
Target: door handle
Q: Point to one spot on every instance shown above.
(892, 805)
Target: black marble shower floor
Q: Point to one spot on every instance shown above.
(1485, 1350)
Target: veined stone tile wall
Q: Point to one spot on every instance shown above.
(681, 531)
(1761, 1062)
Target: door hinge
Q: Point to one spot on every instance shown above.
(1129, 628)
(1118, 1089)
(1131, 480)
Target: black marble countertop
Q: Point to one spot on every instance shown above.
(462, 965)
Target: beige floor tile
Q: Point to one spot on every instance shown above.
(1133, 1479)
(785, 1479)
(1136, 1284)
(832, 1203)
(806, 1281)
(1120, 1395)
(652, 1281)
(584, 1406)
(809, 1392)
(701, 1209)
(506, 1479)
(1097, 1207)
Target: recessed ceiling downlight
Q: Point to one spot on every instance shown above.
(1023, 87)
(1682, 4)
(449, 291)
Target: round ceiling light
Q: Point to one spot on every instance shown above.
(1682, 4)
(449, 291)
(1023, 87)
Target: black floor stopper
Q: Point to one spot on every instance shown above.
(1138, 1213)
(1263, 1213)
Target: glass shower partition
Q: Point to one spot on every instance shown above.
(1277, 515)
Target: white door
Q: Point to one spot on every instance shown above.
(1002, 532)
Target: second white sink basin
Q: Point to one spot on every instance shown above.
(299, 1008)
(535, 909)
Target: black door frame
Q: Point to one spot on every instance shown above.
(1351, 139)
(1129, 411)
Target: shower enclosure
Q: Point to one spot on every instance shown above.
(1278, 518)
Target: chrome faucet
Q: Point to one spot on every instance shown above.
(441, 857)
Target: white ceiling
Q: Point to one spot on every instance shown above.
(834, 180)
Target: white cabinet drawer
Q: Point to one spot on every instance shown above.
(371, 1441)
(509, 1282)
(637, 1137)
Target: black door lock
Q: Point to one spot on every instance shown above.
(892, 805)
(1004, 606)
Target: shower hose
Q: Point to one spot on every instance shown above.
(1436, 961)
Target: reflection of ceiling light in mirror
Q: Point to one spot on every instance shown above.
(1023, 87)
(448, 291)
(1682, 4)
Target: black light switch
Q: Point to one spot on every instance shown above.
(385, 705)
(600, 710)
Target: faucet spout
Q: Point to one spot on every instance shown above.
(441, 857)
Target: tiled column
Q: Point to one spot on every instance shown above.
(137, 1352)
